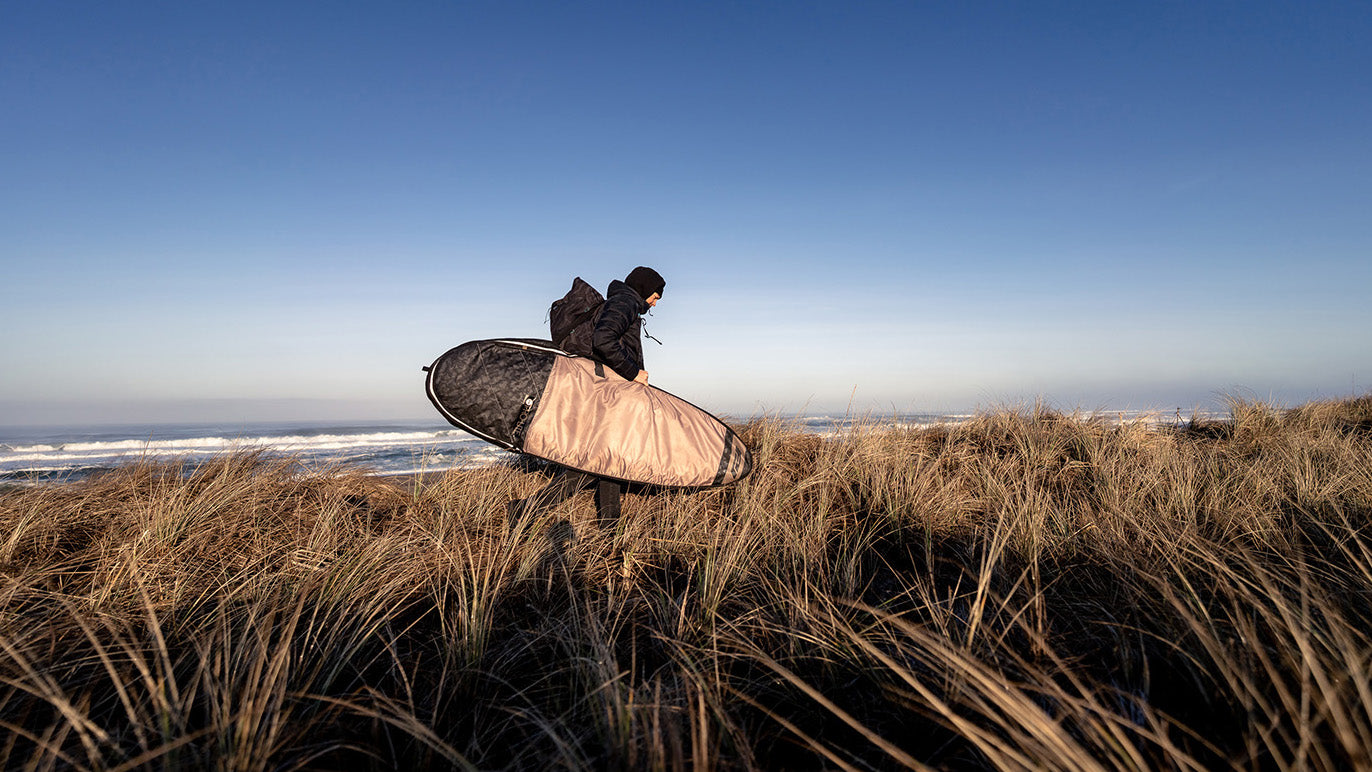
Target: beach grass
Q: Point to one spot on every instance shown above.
(1025, 590)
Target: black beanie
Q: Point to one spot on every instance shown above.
(645, 281)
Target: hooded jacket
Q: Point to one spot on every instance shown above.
(617, 339)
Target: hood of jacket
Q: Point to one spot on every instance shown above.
(618, 288)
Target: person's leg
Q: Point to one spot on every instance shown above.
(607, 496)
(564, 485)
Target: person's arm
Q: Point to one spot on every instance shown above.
(614, 321)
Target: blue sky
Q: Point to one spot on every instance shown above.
(239, 211)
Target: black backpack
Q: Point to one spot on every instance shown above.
(572, 318)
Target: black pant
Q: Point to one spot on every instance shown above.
(565, 484)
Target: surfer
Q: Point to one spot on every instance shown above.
(617, 343)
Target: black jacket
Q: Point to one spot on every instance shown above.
(616, 340)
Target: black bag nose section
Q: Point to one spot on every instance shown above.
(489, 388)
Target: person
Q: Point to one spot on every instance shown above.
(617, 343)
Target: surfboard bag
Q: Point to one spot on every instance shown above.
(528, 396)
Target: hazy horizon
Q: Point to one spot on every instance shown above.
(330, 411)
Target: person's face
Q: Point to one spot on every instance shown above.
(653, 298)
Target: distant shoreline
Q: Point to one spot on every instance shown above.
(400, 454)
(404, 449)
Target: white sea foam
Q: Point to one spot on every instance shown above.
(384, 449)
(30, 448)
(317, 441)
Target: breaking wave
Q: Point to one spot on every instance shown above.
(384, 450)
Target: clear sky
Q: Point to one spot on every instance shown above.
(243, 210)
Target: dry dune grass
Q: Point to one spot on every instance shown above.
(1028, 590)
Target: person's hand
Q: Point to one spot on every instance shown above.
(642, 377)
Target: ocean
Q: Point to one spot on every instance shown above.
(34, 455)
(44, 454)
